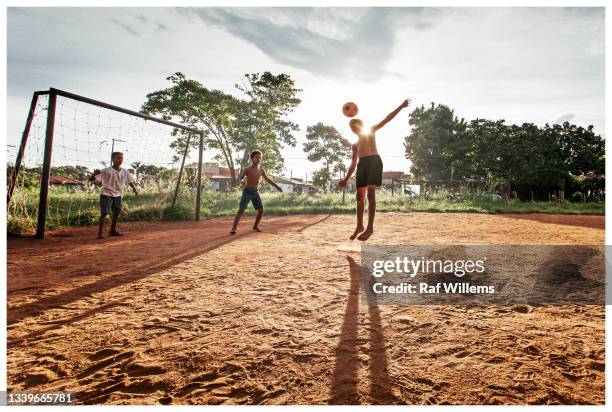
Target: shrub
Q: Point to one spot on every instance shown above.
(577, 197)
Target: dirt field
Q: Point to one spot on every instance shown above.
(183, 313)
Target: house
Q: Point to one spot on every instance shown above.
(220, 177)
(350, 186)
(66, 182)
(292, 185)
(387, 177)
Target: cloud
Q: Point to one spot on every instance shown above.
(330, 42)
(158, 25)
(129, 29)
(563, 117)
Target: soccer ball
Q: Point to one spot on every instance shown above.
(350, 109)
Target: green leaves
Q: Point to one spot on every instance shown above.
(234, 126)
(324, 143)
(532, 157)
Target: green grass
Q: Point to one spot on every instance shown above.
(81, 208)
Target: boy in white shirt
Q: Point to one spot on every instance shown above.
(113, 180)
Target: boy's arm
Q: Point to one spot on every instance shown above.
(242, 174)
(241, 177)
(344, 181)
(132, 182)
(267, 179)
(93, 176)
(391, 115)
(133, 186)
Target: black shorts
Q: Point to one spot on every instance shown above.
(369, 171)
(110, 204)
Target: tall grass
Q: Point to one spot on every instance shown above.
(82, 208)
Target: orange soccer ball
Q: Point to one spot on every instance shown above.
(350, 109)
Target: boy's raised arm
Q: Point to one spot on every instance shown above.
(267, 179)
(391, 115)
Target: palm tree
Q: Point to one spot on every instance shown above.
(137, 166)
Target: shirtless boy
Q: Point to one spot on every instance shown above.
(369, 170)
(250, 193)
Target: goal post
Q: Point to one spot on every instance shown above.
(82, 131)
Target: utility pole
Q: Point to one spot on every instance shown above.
(113, 148)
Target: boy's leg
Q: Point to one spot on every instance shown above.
(257, 204)
(116, 209)
(258, 219)
(361, 194)
(371, 213)
(113, 228)
(236, 220)
(244, 202)
(101, 225)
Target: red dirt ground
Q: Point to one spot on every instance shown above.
(184, 313)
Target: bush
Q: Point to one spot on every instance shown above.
(177, 212)
(577, 197)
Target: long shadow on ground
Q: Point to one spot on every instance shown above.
(345, 379)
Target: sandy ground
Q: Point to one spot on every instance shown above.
(183, 313)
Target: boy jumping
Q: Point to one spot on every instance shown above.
(113, 180)
(250, 192)
(369, 170)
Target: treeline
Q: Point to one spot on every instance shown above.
(537, 161)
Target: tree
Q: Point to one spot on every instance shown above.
(321, 179)
(261, 121)
(232, 126)
(164, 177)
(535, 160)
(137, 167)
(438, 144)
(190, 103)
(74, 172)
(325, 143)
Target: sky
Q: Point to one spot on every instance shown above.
(538, 65)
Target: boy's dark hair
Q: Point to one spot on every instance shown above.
(255, 152)
(115, 154)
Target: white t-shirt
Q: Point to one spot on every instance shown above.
(113, 181)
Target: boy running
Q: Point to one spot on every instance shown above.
(250, 193)
(369, 170)
(113, 180)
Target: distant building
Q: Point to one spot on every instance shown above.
(66, 182)
(350, 186)
(220, 177)
(293, 185)
(387, 177)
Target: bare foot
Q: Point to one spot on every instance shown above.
(257, 229)
(366, 235)
(115, 233)
(356, 232)
(100, 236)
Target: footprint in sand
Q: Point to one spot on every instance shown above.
(145, 386)
(140, 369)
(566, 367)
(111, 360)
